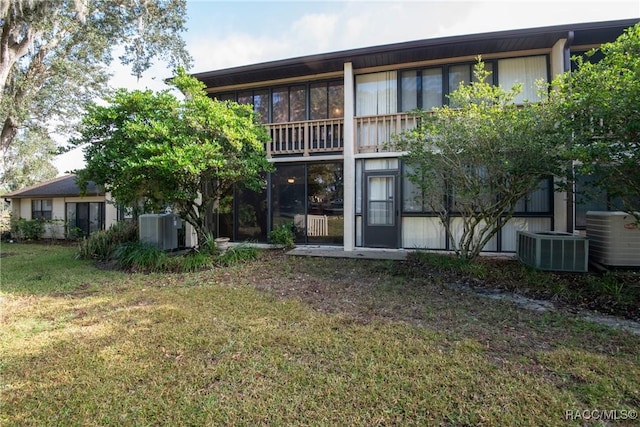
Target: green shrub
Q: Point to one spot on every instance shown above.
(74, 233)
(283, 235)
(100, 245)
(28, 229)
(237, 254)
(209, 244)
(443, 261)
(140, 256)
(610, 285)
(193, 261)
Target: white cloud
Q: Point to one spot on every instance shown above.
(69, 161)
(236, 49)
(315, 31)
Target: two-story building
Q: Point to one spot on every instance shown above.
(331, 116)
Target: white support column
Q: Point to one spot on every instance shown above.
(561, 199)
(110, 211)
(349, 159)
(557, 58)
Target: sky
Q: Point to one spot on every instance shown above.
(224, 34)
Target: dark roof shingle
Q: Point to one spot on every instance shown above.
(62, 186)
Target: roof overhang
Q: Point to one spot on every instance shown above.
(585, 34)
(62, 186)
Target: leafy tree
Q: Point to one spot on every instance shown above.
(185, 154)
(28, 160)
(475, 159)
(54, 54)
(598, 104)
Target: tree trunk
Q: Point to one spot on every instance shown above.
(9, 132)
(11, 50)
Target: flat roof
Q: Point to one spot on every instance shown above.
(592, 33)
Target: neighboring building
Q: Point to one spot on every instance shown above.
(60, 201)
(331, 115)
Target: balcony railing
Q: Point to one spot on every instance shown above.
(306, 138)
(374, 133)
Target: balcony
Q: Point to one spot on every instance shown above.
(373, 134)
(306, 138)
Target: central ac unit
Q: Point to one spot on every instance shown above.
(160, 230)
(553, 251)
(615, 239)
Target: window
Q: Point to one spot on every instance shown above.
(251, 219)
(336, 100)
(318, 98)
(523, 70)
(280, 103)
(414, 200)
(225, 96)
(84, 218)
(431, 88)
(260, 101)
(325, 203)
(410, 90)
(376, 94)
(288, 190)
(297, 104)
(310, 197)
(421, 89)
(590, 196)
(289, 104)
(464, 74)
(245, 98)
(380, 199)
(261, 104)
(459, 74)
(326, 100)
(538, 201)
(41, 209)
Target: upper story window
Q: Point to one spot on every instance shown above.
(376, 93)
(326, 100)
(288, 104)
(41, 209)
(527, 71)
(313, 101)
(231, 96)
(428, 87)
(421, 89)
(259, 99)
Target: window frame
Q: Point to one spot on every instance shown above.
(41, 213)
(72, 227)
(290, 89)
(448, 197)
(445, 78)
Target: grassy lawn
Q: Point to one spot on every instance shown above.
(290, 341)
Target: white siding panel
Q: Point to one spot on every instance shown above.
(423, 233)
(510, 229)
(457, 229)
